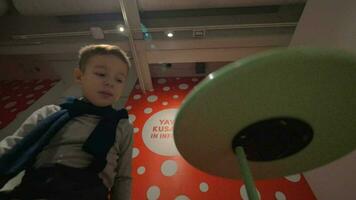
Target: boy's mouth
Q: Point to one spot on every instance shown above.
(105, 94)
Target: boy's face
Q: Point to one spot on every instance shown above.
(103, 80)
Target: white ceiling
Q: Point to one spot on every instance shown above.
(233, 29)
(76, 7)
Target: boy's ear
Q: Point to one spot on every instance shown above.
(78, 75)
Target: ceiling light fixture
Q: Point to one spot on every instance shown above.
(169, 34)
(120, 28)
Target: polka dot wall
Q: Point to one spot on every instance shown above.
(159, 172)
(17, 95)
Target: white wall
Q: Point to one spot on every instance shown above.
(327, 23)
(330, 23)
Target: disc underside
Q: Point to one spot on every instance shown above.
(314, 85)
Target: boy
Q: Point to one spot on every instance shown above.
(82, 148)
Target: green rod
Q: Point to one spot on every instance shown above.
(246, 174)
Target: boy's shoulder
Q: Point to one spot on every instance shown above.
(124, 123)
(40, 114)
(124, 127)
(46, 110)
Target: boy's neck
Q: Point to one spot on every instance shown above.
(83, 98)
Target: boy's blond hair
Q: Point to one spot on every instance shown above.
(86, 52)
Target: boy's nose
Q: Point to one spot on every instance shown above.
(109, 82)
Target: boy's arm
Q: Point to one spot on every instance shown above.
(121, 189)
(8, 142)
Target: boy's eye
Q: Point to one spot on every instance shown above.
(100, 74)
(119, 80)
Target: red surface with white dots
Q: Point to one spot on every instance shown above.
(18, 95)
(188, 182)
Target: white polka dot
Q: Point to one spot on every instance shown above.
(153, 193)
(137, 87)
(30, 101)
(53, 84)
(5, 98)
(280, 196)
(128, 107)
(162, 81)
(30, 96)
(175, 96)
(148, 110)
(136, 130)
(183, 86)
(293, 178)
(44, 91)
(135, 152)
(19, 95)
(194, 79)
(17, 87)
(152, 98)
(204, 187)
(141, 170)
(152, 90)
(38, 81)
(132, 118)
(177, 78)
(182, 197)
(39, 87)
(243, 193)
(13, 110)
(169, 167)
(137, 96)
(166, 88)
(10, 105)
(0, 122)
(164, 103)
